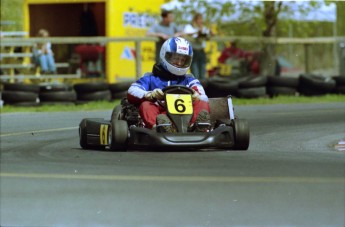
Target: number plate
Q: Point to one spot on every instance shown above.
(179, 103)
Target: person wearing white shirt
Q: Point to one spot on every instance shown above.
(197, 34)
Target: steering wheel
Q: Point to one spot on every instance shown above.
(177, 89)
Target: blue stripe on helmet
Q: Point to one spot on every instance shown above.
(190, 50)
(172, 45)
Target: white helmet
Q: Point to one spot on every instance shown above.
(176, 55)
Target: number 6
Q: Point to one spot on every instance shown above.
(179, 107)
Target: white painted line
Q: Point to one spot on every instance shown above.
(207, 179)
(39, 131)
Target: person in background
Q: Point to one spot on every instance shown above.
(164, 30)
(252, 62)
(231, 52)
(176, 56)
(44, 55)
(198, 34)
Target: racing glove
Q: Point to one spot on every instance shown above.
(156, 94)
(195, 96)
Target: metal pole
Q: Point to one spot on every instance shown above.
(138, 59)
(306, 58)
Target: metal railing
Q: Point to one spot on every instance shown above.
(21, 41)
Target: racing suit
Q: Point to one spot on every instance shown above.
(160, 78)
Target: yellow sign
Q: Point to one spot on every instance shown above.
(179, 103)
(103, 135)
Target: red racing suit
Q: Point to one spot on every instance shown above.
(159, 78)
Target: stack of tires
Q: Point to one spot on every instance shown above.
(340, 84)
(252, 87)
(277, 85)
(119, 90)
(221, 86)
(313, 85)
(92, 91)
(57, 94)
(19, 94)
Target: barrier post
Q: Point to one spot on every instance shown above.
(138, 59)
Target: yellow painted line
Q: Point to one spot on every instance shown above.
(38, 131)
(208, 179)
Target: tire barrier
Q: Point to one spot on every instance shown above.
(20, 94)
(51, 93)
(252, 87)
(92, 91)
(340, 84)
(221, 86)
(313, 85)
(119, 90)
(282, 86)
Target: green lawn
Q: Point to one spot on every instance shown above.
(103, 105)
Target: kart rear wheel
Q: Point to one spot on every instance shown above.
(118, 135)
(83, 135)
(241, 129)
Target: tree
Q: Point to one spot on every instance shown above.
(261, 16)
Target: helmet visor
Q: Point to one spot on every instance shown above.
(178, 60)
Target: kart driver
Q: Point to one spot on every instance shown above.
(175, 59)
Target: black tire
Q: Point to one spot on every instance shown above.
(91, 87)
(253, 81)
(119, 135)
(55, 87)
(95, 96)
(317, 83)
(221, 87)
(278, 81)
(340, 90)
(340, 80)
(58, 96)
(254, 92)
(11, 97)
(120, 86)
(119, 95)
(60, 103)
(117, 113)
(242, 134)
(276, 90)
(21, 87)
(83, 137)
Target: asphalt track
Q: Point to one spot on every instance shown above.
(291, 175)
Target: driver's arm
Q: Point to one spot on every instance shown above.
(137, 91)
(199, 91)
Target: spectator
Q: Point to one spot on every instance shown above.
(175, 59)
(164, 30)
(252, 63)
(43, 54)
(231, 52)
(198, 33)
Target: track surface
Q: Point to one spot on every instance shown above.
(290, 176)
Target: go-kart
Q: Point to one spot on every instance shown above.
(126, 130)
